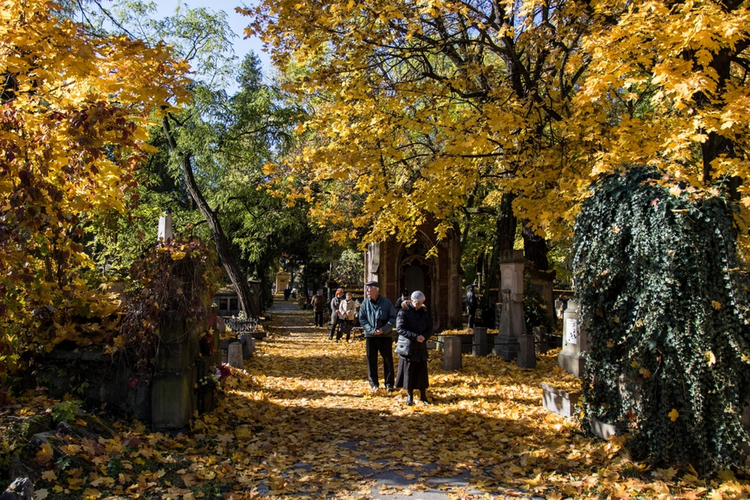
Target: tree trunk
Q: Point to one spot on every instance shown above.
(535, 248)
(222, 244)
(505, 235)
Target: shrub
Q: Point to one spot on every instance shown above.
(657, 273)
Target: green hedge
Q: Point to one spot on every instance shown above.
(657, 273)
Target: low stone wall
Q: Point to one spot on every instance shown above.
(168, 400)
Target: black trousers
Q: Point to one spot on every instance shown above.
(318, 318)
(334, 324)
(384, 346)
(470, 320)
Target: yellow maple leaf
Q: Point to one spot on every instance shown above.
(49, 475)
(716, 305)
(673, 415)
(44, 454)
(178, 255)
(645, 372)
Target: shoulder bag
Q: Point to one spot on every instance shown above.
(403, 346)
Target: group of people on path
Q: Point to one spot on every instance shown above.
(343, 313)
(379, 320)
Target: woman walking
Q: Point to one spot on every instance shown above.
(347, 308)
(414, 323)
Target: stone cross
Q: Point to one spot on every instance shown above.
(165, 227)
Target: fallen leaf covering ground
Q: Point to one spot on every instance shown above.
(302, 420)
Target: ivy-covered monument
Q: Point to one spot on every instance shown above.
(665, 298)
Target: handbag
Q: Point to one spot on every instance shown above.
(403, 346)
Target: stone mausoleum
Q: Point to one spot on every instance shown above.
(398, 266)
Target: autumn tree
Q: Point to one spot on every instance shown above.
(227, 140)
(444, 109)
(213, 137)
(75, 112)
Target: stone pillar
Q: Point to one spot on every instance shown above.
(480, 347)
(172, 395)
(165, 227)
(248, 345)
(452, 353)
(506, 340)
(372, 264)
(575, 340)
(511, 278)
(234, 355)
(526, 353)
(540, 336)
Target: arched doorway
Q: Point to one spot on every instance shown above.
(416, 272)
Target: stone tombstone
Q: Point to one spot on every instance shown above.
(541, 282)
(172, 395)
(526, 352)
(575, 340)
(511, 278)
(248, 345)
(480, 346)
(506, 340)
(165, 228)
(540, 336)
(452, 353)
(234, 355)
(559, 401)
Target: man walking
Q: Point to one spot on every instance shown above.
(377, 317)
(318, 303)
(335, 303)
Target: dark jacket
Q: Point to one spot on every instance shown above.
(411, 323)
(378, 314)
(318, 303)
(471, 301)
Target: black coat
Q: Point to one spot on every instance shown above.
(411, 323)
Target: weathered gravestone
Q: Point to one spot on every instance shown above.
(480, 346)
(526, 352)
(452, 352)
(234, 355)
(512, 323)
(575, 340)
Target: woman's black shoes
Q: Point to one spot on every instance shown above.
(425, 402)
(409, 401)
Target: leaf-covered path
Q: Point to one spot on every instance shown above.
(300, 420)
(306, 412)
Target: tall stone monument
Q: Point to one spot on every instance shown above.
(575, 340)
(512, 322)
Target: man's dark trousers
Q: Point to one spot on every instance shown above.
(384, 346)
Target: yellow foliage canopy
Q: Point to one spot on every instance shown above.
(425, 107)
(75, 108)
